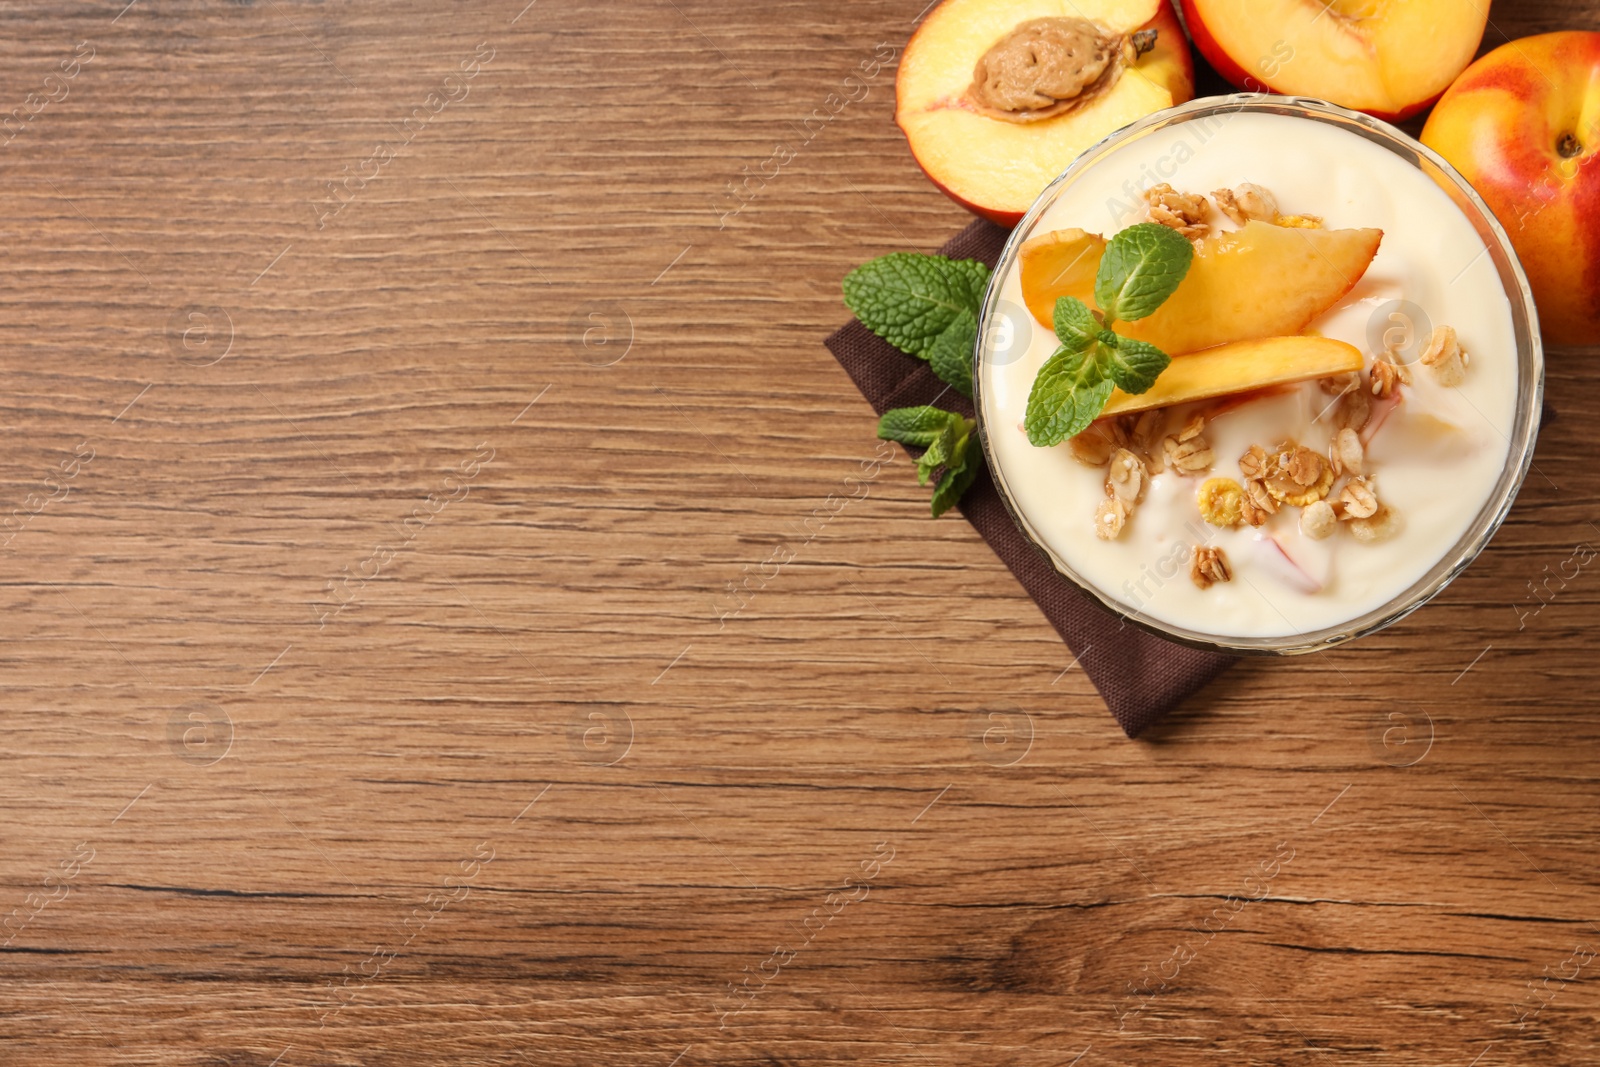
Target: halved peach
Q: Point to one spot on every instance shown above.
(1240, 367)
(995, 167)
(1259, 281)
(1389, 58)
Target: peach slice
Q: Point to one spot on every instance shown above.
(1380, 413)
(1296, 561)
(1259, 281)
(997, 168)
(1056, 264)
(1240, 367)
(1389, 58)
(1422, 437)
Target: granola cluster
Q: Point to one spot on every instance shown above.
(1330, 490)
(1387, 376)
(1209, 567)
(1333, 490)
(1184, 212)
(1444, 357)
(1245, 202)
(1187, 212)
(1131, 448)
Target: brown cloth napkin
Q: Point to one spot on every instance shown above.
(1141, 676)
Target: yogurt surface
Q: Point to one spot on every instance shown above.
(1435, 459)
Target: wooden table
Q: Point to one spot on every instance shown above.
(392, 396)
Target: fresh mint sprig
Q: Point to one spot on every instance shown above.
(927, 306)
(952, 458)
(1141, 267)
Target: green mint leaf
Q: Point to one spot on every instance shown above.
(949, 451)
(975, 276)
(1141, 267)
(956, 481)
(947, 436)
(1134, 365)
(1069, 392)
(1076, 325)
(942, 452)
(910, 299)
(951, 354)
(919, 426)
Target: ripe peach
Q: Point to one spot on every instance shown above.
(1523, 126)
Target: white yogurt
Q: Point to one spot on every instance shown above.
(1436, 482)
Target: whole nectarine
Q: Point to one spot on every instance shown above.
(1523, 126)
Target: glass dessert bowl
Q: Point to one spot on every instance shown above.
(1354, 388)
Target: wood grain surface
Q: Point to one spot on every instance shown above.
(374, 692)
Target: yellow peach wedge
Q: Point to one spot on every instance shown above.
(1240, 367)
(1056, 264)
(1259, 281)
